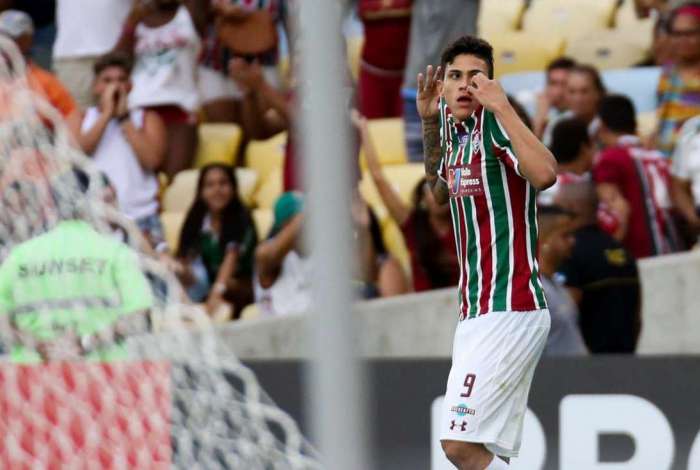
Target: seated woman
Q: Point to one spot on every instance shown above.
(217, 243)
(427, 228)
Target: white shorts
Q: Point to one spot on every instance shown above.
(493, 360)
(215, 85)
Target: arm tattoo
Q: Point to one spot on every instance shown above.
(432, 152)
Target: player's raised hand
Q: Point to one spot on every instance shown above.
(488, 92)
(429, 88)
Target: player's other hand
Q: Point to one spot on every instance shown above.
(488, 92)
(429, 89)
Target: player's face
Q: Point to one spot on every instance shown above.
(556, 87)
(217, 190)
(582, 96)
(458, 77)
(685, 38)
(111, 76)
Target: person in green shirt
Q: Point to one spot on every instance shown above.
(72, 292)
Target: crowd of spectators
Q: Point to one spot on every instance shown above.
(134, 79)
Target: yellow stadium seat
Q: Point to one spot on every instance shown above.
(396, 245)
(626, 18)
(250, 312)
(269, 190)
(523, 52)
(354, 51)
(568, 18)
(608, 49)
(499, 16)
(178, 197)
(403, 178)
(389, 140)
(263, 220)
(218, 143)
(264, 156)
(172, 224)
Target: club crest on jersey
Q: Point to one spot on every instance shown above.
(476, 141)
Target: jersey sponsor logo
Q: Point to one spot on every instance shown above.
(465, 180)
(458, 426)
(57, 267)
(462, 410)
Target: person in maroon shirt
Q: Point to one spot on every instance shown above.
(633, 182)
(427, 228)
(387, 25)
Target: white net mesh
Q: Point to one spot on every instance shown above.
(176, 399)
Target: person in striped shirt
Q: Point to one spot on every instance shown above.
(482, 160)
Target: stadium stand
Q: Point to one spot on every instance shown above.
(608, 49)
(524, 51)
(388, 135)
(500, 17)
(547, 18)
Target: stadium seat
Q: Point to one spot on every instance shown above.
(179, 195)
(402, 177)
(520, 52)
(626, 19)
(570, 18)
(647, 123)
(264, 156)
(396, 245)
(250, 312)
(389, 140)
(269, 189)
(172, 224)
(218, 143)
(500, 16)
(354, 50)
(263, 220)
(608, 49)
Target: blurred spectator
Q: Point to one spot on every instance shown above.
(679, 85)
(282, 267)
(572, 147)
(380, 274)
(584, 90)
(662, 53)
(43, 13)
(634, 181)
(551, 103)
(85, 31)
(433, 24)
(685, 170)
(164, 38)
(254, 25)
(217, 243)
(601, 276)
(129, 146)
(427, 227)
(555, 244)
(387, 25)
(18, 26)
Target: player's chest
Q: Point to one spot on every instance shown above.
(469, 165)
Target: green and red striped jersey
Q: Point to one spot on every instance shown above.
(494, 214)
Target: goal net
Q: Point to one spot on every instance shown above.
(105, 365)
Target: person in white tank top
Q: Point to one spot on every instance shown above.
(282, 269)
(164, 37)
(128, 146)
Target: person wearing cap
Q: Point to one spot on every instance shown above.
(18, 26)
(282, 269)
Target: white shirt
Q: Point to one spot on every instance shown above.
(88, 28)
(291, 291)
(136, 187)
(685, 164)
(165, 72)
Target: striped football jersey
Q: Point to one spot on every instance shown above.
(494, 214)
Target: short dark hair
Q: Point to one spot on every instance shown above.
(565, 63)
(618, 114)
(592, 73)
(568, 136)
(113, 59)
(468, 45)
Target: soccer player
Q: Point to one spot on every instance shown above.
(482, 160)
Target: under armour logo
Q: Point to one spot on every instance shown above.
(462, 427)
